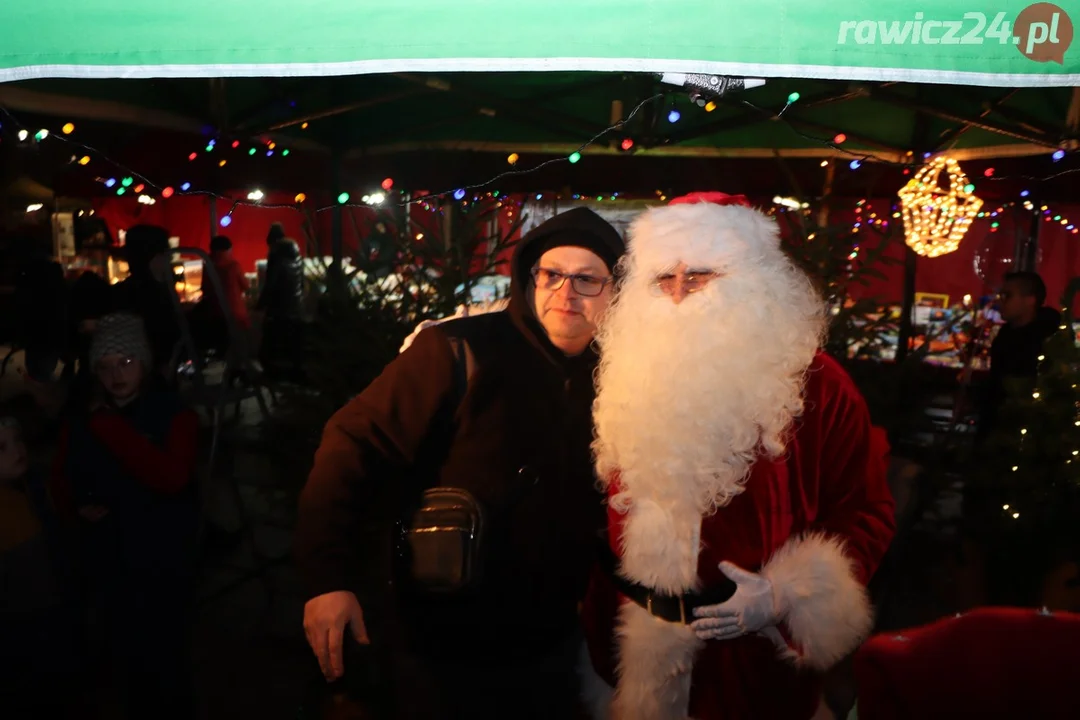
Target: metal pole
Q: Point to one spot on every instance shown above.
(336, 225)
(906, 330)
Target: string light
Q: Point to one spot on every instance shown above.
(574, 157)
(936, 220)
(84, 160)
(387, 184)
(225, 221)
(343, 198)
(185, 187)
(513, 158)
(1058, 155)
(674, 116)
(41, 134)
(300, 197)
(167, 192)
(68, 128)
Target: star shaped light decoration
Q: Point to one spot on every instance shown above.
(936, 218)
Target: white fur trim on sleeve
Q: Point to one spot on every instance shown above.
(596, 694)
(827, 610)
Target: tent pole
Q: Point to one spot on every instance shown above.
(336, 227)
(906, 330)
(1027, 249)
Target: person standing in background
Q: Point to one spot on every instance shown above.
(281, 302)
(1015, 352)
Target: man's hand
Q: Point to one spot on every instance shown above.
(93, 513)
(751, 609)
(325, 618)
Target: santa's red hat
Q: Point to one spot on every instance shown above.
(703, 230)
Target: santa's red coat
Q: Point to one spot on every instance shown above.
(989, 663)
(828, 492)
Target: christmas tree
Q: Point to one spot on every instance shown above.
(1023, 496)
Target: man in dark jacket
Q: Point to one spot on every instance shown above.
(518, 438)
(1016, 349)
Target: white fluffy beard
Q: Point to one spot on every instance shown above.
(689, 395)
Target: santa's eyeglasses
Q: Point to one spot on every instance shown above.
(692, 281)
(586, 285)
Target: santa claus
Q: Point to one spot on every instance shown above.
(748, 506)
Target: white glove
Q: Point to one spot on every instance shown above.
(753, 608)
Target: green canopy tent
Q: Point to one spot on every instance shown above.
(1011, 43)
(546, 77)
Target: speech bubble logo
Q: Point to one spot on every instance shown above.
(1043, 32)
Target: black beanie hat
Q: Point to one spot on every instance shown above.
(580, 227)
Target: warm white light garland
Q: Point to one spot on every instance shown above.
(935, 218)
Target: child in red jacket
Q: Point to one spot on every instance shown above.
(123, 476)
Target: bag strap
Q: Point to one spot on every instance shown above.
(464, 364)
(464, 368)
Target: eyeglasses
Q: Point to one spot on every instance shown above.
(585, 285)
(692, 282)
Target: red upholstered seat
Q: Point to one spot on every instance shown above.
(989, 663)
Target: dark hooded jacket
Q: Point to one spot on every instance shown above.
(526, 414)
(282, 295)
(1014, 355)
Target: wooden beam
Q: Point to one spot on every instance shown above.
(70, 107)
(522, 110)
(951, 136)
(347, 108)
(989, 126)
(663, 151)
(754, 115)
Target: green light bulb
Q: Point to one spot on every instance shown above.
(343, 198)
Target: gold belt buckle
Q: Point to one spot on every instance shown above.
(682, 607)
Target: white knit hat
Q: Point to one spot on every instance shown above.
(120, 334)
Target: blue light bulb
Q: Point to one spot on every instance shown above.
(673, 116)
(459, 194)
(185, 187)
(226, 221)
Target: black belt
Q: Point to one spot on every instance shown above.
(673, 608)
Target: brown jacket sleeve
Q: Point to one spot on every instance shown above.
(371, 441)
